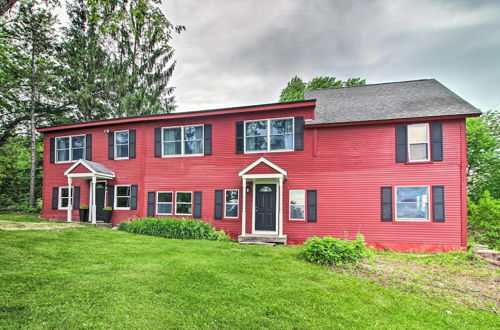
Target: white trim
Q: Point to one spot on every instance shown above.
(415, 219)
(70, 149)
(254, 231)
(116, 196)
(290, 205)
(182, 154)
(268, 163)
(268, 136)
(86, 175)
(244, 211)
(172, 202)
(122, 144)
(189, 192)
(428, 142)
(237, 204)
(91, 170)
(59, 207)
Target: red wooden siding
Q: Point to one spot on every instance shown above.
(347, 165)
(262, 169)
(80, 169)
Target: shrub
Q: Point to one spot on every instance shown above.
(484, 221)
(84, 207)
(108, 208)
(173, 228)
(334, 251)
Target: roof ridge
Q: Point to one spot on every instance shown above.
(375, 84)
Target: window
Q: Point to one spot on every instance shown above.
(412, 203)
(232, 201)
(279, 132)
(64, 199)
(184, 140)
(122, 197)
(70, 148)
(183, 203)
(418, 142)
(164, 202)
(121, 144)
(297, 204)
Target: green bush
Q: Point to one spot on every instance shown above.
(173, 228)
(334, 251)
(484, 221)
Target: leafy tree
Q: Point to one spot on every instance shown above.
(484, 220)
(483, 151)
(294, 91)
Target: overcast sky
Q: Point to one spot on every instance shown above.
(242, 52)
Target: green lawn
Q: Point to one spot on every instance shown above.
(92, 277)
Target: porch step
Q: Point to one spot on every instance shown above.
(258, 243)
(104, 224)
(262, 239)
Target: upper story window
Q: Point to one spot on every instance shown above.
(412, 203)
(183, 140)
(70, 148)
(121, 144)
(122, 197)
(297, 204)
(269, 135)
(232, 201)
(418, 142)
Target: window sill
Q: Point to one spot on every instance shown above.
(122, 158)
(122, 209)
(231, 219)
(297, 220)
(419, 162)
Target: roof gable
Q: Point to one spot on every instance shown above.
(87, 166)
(263, 166)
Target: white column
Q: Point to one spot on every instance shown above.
(93, 200)
(70, 200)
(90, 202)
(244, 210)
(280, 228)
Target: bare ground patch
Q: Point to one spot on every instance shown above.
(15, 225)
(453, 277)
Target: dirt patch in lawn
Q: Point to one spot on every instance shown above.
(14, 225)
(452, 276)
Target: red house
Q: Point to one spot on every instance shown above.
(385, 160)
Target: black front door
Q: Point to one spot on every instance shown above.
(100, 192)
(265, 207)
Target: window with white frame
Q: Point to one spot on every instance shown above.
(121, 144)
(412, 203)
(418, 142)
(164, 202)
(70, 148)
(122, 197)
(183, 202)
(297, 204)
(269, 135)
(183, 140)
(231, 209)
(64, 198)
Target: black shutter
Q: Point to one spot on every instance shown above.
(401, 144)
(218, 204)
(76, 198)
(55, 198)
(207, 133)
(239, 137)
(386, 203)
(437, 141)
(131, 143)
(197, 205)
(52, 150)
(88, 146)
(158, 142)
(111, 145)
(299, 133)
(111, 196)
(151, 204)
(438, 203)
(312, 206)
(133, 197)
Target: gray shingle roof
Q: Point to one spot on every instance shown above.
(397, 100)
(98, 167)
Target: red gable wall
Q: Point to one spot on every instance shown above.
(262, 169)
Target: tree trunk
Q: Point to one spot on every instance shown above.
(32, 198)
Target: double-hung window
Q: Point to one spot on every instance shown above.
(164, 202)
(269, 135)
(418, 142)
(64, 198)
(122, 197)
(121, 144)
(183, 140)
(70, 148)
(412, 203)
(297, 204)
(183, 202)
(231, 209)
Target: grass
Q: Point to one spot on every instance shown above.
(92, 277)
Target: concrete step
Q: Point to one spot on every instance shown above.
(257, 243)
(274, 239)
